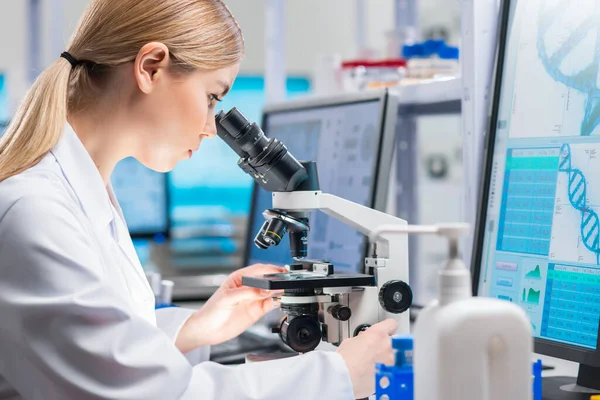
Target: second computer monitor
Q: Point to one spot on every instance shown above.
(350, 138)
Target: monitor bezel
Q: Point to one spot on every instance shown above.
(543, 346)
(387, 125)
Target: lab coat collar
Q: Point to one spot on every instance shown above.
(85, 179)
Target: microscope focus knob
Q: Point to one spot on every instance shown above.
(340, 312)
(395, 296)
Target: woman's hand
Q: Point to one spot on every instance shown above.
(231, 310)
(362, 352)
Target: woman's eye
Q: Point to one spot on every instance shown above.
(213, 99)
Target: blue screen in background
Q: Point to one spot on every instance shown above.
(142, 195)
(344, 140)
(4, 111)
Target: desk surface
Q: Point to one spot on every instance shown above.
(561, 367)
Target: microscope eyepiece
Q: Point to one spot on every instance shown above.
(247, 136)
(266, 160)
(234, 122)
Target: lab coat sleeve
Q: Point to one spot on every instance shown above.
(67, 335)
(170, 320)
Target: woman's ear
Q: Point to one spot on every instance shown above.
(151, 62)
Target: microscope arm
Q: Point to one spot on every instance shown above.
(364, 219)
(359, 217)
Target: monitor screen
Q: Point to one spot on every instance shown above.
(4, 109)
(142, 195)
(539, 235)
(344, 141)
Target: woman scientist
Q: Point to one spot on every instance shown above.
(141, 79)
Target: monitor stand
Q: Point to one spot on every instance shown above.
(585, 385)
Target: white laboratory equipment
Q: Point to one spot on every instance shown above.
(465, 347)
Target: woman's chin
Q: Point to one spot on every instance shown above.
(165, 162)
(165, 166)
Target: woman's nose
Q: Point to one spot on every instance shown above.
(210, 129)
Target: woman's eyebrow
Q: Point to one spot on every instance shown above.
(225, 87)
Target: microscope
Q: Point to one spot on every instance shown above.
(318, 303)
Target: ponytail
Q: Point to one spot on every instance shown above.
(39, 122)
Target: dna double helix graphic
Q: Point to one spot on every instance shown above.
(585, 80)
(577, 193)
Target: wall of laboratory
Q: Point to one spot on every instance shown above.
(312, 27)
(13, 43)
(59, 19)
(316, 27)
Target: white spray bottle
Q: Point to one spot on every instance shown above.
(465, 347)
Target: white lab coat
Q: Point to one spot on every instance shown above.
(77, 319)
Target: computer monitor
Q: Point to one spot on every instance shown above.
(537, 239)
(143, 197)
(349, 137)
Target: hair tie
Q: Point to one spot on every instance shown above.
(70, 59)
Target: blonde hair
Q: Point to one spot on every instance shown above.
(200, 34)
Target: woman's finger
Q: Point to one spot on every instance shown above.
(269, 304)
(388, 326)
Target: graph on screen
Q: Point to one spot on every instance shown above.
(534, 274)
(531, 296)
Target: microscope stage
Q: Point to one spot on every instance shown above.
(307, 281)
